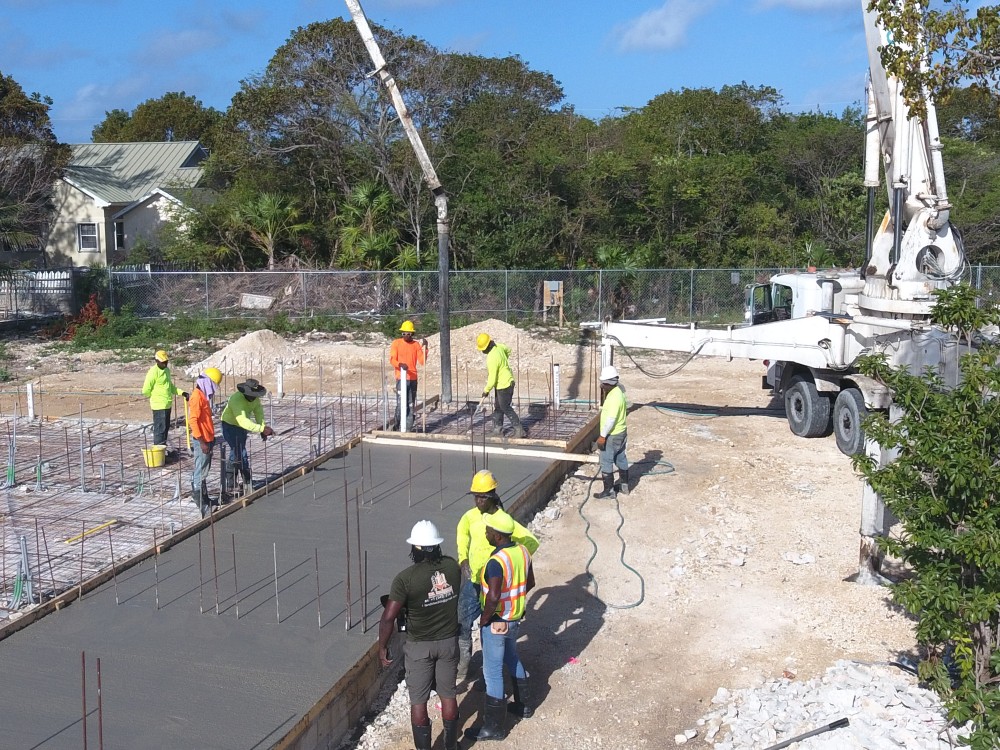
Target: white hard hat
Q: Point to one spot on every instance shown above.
(609, 374)
(424, 534)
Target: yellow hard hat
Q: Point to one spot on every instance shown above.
(161, 356)
(482, 341)
(483, 482)
(213, 374)
(501, 521)
(407, 326)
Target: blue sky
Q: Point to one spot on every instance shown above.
(91, 56)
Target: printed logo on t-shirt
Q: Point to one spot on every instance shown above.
(441, 591)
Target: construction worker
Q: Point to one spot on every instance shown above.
(473, 552)
(404, 355)
(613, 433)
(428, 590)
(506, 580)
(243, 414)
(203, 431)
(159, 388)
(500, 377)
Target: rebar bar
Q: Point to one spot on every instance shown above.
(201, 580)
(319, 606)
(236, 581)
(364, 596)
(114, 571)
(83, 690)
(277, 607)
(357, 534)
(156, 571)
(52, 572)
(100, 709)
(347, 549)
(215, 563)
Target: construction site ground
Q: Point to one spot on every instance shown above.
(745, 537)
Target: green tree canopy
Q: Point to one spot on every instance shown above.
(175, 116)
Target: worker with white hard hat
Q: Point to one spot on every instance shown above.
(428, 590)
(203, 431)
(613, 436)
(500, 377)
(159, 388)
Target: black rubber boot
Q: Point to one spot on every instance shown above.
(623, 476)
(228, 481)
(206, 499)
(450, 734)
(522, 705)
(609, 487)
(421, 736)
(199, 500)
(247, 479)
(494, 713)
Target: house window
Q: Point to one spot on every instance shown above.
(119, 235)
(87, 234)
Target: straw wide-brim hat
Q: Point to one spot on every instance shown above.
(251, 387)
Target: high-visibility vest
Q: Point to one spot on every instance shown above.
(514, 561)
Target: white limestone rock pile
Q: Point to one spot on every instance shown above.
(886, 708)
(252, 355)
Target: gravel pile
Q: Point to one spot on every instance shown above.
(886, 709)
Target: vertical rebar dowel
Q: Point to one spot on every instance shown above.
(69, 474)
(114, 572)
(52, 572)
(364, 595)
(215, 563)
(371, 480)
(319, 606)
(38, 558)
(83, 536)
(357, 534)
(201, 580)
(83, 465)
(100, 709)
(409, 483)
(517, 383)
(347, 549)
(83, 692)
(3, 554)
(441, 479)
(277, 608)
(156, 571)
(236, 581)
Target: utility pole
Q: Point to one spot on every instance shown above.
(430, 177)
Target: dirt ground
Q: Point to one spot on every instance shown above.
(743, 540)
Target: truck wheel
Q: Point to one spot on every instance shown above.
(848, 413)
(808, 412)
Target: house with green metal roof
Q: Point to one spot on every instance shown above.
(113, 195)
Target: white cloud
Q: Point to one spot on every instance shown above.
(92, 100)
(662, 28)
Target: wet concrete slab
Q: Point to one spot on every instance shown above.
(175, 674)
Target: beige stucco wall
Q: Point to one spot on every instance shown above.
(144, 221)
(75, 207)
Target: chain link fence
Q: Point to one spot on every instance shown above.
(711, 296)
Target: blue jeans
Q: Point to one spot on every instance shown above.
(500, 651)
(236, 439)
(469, 609)
(614, 453)
(161, 423)
(202, 465)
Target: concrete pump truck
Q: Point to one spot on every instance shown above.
(811, 328)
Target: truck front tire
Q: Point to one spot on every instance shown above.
(848, 413)
(807, 411)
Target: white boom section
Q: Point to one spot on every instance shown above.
(915, 250)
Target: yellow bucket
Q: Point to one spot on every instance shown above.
(154, 456)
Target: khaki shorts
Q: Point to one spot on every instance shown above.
(431, 664)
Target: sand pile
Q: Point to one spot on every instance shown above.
(529, 351)
(250, 355)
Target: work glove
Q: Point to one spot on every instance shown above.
(267, 432)
(423, 343)
(601, 442)
(206, 447)
(485, 394)
(186, 395)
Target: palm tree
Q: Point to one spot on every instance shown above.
(368, 237)
(13, 234)
(269, 219)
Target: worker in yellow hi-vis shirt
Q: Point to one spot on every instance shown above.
(614, 434)
(500, 377)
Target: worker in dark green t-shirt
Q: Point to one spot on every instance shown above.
(428, 590)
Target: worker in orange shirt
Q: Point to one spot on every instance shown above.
(203, 431)
(404, 356)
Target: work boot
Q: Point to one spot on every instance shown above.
(494, 712)
(247, 480)
(450, 734)
(199, 500)
(609, 487)
(497, 430)
(623, 476)
(522, 705)
(464, 655)
(518, 431)
(421, 736)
